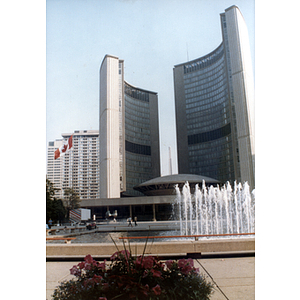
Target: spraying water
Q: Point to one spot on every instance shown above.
(215, 210)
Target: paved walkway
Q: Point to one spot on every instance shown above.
(235, 276)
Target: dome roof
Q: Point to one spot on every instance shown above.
(165, 185)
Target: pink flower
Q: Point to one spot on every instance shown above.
(97, 278)
(186, 265)
(145, 289)
(148, 262)
(156, 273)
(102, 265)
(169, 263)
(145, 273)
(183, 262)
(88, 259)
(75, 271)
(81, 265)
(157, 290)
(120, 254)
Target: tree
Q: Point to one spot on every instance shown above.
(55, 209)
(72, 199)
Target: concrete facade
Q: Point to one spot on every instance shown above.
(109, 128)
(79, 168)
(129, 130)
(235, 37)
(214, 104)
(155, 248)
(55, 167)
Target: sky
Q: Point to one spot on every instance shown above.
(150, 36)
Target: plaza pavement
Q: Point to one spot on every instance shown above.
(235, 276)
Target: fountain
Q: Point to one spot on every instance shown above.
(214, 210)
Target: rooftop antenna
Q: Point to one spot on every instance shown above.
(170, 161)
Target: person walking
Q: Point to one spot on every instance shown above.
(129, 222)
(50, 223)
(135, 220)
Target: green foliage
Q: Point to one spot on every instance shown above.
(55, 209)
(72, 199)
(127, 277)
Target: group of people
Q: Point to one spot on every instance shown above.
(129, 220)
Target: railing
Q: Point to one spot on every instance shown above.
(66, 239)
(184, 236)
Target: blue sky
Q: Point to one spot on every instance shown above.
(151, 36)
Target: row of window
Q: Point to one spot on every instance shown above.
(206, 91)
(208, 98)
(136, 116)
(141, 118)
(137, 139)
(214, 113)
(194, 129)
(138, 163)
(202, 157)
(216, 101)
(135, 93)
(207, 74)
(206, 84)
(209, 136)
(134, 104)
(137, 148)
(214, 75)
(217, 146)
(131, 168)
(204, 61)
(202, 124)
(134, 126)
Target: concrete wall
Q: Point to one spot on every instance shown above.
(109, 128)
(243, 90)
(156, 248)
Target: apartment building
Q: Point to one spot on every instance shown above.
(79, 168)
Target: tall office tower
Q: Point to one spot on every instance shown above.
(79, 168)
(129, 146)
(55, 167)
(214, 103)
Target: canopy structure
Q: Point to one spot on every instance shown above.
(165, 185)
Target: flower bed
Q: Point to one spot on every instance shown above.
(129, 277)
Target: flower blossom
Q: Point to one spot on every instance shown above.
(88, 259)
(145, 262)
(75, 271)
(120, 254)
(97, 278)
(186, 265)
(169, 263)
(156, 273)
(157, 290)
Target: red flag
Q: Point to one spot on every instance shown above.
(64, 148)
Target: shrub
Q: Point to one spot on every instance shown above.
(128, 277)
